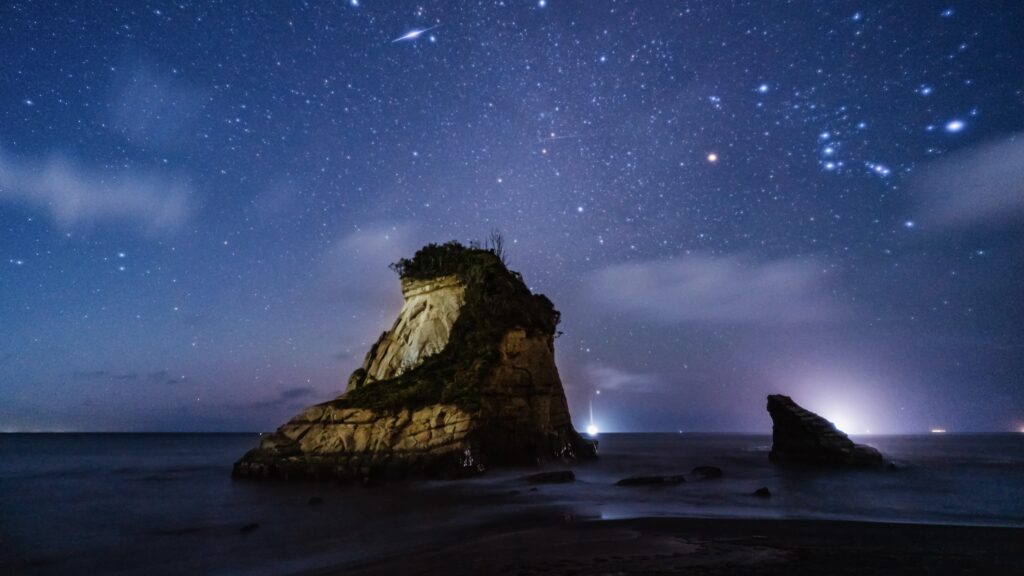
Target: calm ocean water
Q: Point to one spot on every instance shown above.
(165, 503)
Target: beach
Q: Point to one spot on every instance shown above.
(154, 504)
(718, 546)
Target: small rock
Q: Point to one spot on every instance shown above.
(651, 480)
(249, 527)
(315, 500)
(707, 472)
(763, 492)
(553, 477)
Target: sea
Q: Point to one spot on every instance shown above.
(166, 503)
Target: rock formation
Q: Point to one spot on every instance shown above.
(465, 379)
(799, 435)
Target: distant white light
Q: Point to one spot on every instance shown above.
(354, 3)
(954, 126)
(542, 3)
(592, 430)
(938, 430)
(909, 224)
(763, 88)
(829, 150)
(712, 157)
(579, 209)
(947, 13)
(924, 90)
(840, 422)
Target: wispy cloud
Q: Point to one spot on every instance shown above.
(75, 195)
(156, 377)
(714, 289)
(290, 397)
(981, 185)
(355, 269)
(153, 109)
(604, 377)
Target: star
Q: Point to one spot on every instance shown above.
(712, 157)
(955, 125)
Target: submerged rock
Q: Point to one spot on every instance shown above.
(799, 435)
(707, 472)
(465, 379)
(553, 477)
(652, 480)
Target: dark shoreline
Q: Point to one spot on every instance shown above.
(712, 547)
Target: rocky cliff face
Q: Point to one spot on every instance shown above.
(464, 380)
(799, 435)
(421, 330)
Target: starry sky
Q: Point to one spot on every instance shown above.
(199, 201)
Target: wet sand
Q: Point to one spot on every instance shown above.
(716, 546)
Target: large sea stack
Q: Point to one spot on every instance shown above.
(799, 435)
(464, 380)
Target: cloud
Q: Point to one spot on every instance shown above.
(297, 392)
(709, 289)
(157, 377)
(981, 185)
(154, 110)
(74, 195)
(289, 397)
(604, 377)
(355, 269)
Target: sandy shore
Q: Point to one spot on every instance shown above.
(715, 546)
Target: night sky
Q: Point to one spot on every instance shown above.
(199, 201)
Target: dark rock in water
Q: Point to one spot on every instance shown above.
(315, 501)
(249, 528)
(763, 492)
(651, 480)
(464, 380)
(707, 472)
(553, 477)
(799, 435)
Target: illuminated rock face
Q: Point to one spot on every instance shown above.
(799, 435)
(509, 407)
(421, 330)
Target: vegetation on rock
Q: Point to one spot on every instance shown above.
(496, 301)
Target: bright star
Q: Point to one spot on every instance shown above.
(592, 430)
(763, 88)
(712, 157)
(954, 126)
(413, 34)
(909, 224)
